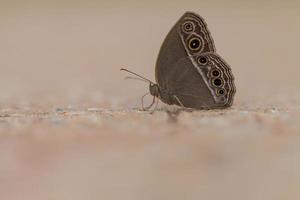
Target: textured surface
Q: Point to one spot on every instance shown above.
(248, 153)
(68, 130)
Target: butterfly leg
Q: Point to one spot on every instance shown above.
(148, 107)
(155, 106)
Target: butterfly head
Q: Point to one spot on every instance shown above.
(154, 89)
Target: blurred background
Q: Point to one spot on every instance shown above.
(68, 52)
(66, 128)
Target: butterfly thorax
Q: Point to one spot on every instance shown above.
(162, 94)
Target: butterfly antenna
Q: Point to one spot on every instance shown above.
(122, 69)
(135, 78)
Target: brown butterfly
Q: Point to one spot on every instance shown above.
(189, 72)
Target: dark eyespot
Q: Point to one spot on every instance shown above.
(195, 43)
(217, 82)
(188, 27)
(215, 73)
(202, 60)
(221, 91)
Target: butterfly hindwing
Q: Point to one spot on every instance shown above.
(204, 82)
(217, 75)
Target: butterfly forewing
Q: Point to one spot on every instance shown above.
(173, 48)
(196, 39)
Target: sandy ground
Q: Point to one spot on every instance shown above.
(240, 153)
(69, 127)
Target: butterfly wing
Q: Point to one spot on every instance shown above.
(189, 69)
(205, 81)
(190, 29)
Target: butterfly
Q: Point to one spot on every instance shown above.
(189, 72)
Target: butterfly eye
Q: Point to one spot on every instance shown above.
(217, 82)
(221, 92)
(215, 73)
(195, 44)
(188, 27)
(202, 60)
